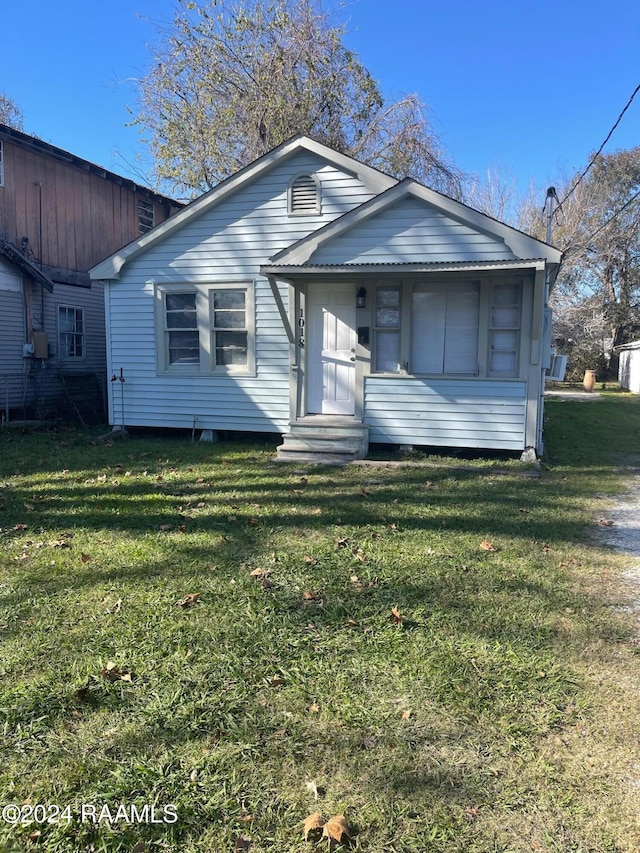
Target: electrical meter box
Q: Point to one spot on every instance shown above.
(40, 345)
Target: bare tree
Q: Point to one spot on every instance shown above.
(230, 81)
(10, 112)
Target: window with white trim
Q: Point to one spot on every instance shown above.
(303, 196)
(504, 329)
(206, 328)
(1, 165)
(386, 329)
(71, 335)
(445, 324)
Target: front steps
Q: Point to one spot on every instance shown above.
(324, 440)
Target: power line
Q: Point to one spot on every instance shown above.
(598, 152)
(610, 219)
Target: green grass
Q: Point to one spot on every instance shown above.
(518, 673)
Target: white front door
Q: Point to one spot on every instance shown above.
(331, 349)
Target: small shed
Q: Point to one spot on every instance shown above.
(629, 366)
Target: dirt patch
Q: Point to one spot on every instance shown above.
(624, 536)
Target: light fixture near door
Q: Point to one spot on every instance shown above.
(361, 298)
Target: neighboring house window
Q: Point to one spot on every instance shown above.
(146, 213)
(1, 165)
(71, 341)
(206, 328)
(445, 324)
(304, 195)
(387, 329)
(504, 329)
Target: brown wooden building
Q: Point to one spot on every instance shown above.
(59, 216)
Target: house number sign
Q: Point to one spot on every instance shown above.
(301, 329)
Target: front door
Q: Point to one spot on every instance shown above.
(331, 349)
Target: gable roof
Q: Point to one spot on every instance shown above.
(505, 244)
(373, 179)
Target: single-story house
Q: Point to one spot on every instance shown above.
(314, 296)
(629, 366)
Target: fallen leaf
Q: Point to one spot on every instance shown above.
(472, 812)
(342, 543)
(310, 560)
(116, 607)
(397, 617)
(313, 709)
(29, 506)
(303, 481)
(243, 842)
(487, 546)
(406, 714)
(113, 673)
(82, 693)
(85, 558)
(428, 484)
(189, 600)
(165, 527)
(60, 543)
(369, 742)
(335, 828)
(312, 822)
(20, 526)
(34, 836)
(606, 522)
(351, 623)
(313, 788)
(276, 680)
(260, 573)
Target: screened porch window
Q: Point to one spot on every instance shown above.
(387, 329)
(504, 331)
(444, 328)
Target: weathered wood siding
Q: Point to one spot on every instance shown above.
(412, 231)
(85, 215)
(226, 244)
(446, 413)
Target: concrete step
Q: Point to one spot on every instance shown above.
(322, 443)
(314, 458)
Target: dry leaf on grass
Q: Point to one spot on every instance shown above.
(335, 828)
(396, 616)
(243, 842)
(189, 600)
(606, 522)
(112, 673)
(312, 787)
(487, 546)
(139, 847)
(406, 714)
(312, 822)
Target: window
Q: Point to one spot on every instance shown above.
(387, 329)
(70, 332)
(205, 328)
(303, 196)
(146, 216)
(181, 329)
(229, 327)
(504, 329)
(1, 165)
(445, 323)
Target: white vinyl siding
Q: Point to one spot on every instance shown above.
(444, 328)
(446, 412)
(504, 335)
(227, 243)
(205, 328)
(71, 332)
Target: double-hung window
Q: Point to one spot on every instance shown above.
(70, 332)
(182, 339)
(205, 328)
(444, 328)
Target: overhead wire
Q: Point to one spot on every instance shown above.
(599, 151)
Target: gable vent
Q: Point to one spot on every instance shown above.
(304, 195)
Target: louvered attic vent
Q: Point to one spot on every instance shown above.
(304, 195)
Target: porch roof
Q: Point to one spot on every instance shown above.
(292, 270)
(18, 259)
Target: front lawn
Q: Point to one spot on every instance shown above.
(432, 653)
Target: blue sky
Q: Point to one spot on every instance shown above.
(531, 88)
